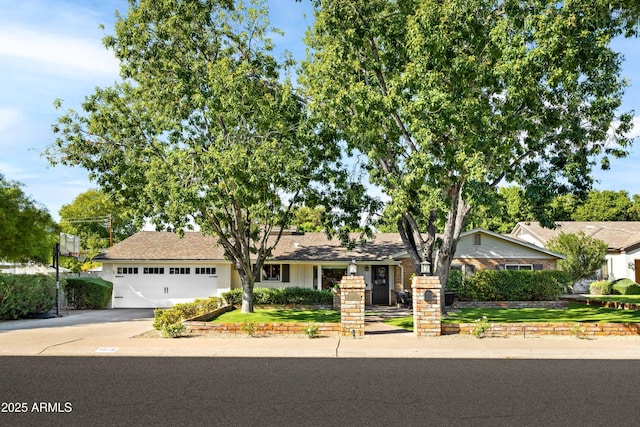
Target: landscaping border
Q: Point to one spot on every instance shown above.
(200, 325)
(524, 329)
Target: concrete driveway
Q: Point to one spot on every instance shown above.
(80, 317)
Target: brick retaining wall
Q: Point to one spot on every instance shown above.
(523, 329)
(610, 304)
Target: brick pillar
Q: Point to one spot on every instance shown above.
(426, 314)
(352, 305)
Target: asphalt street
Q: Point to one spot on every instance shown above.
(70, 391)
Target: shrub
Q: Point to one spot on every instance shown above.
(282, 296)
(88, 292)
(601, 287)
(506, 285)
(168, 317)
(23, 294)
(174, 330)
(625, 287)
(454, 282)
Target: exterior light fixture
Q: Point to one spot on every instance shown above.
(425, 268)
(353, 268)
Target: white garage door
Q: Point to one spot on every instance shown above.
(162, 286)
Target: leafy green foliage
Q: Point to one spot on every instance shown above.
(88, 292)
(449, 99)
(174, 330)
(506, 285)
(584, 254)
(282, 296)
(454, 281)
(28, 231)
(21, 295)
(625, 287)
(207, 128)
(601, 287)
(606, 206)
(170, 316)
(90, 216)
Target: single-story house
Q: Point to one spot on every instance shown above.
(622, 238)
(159, 269)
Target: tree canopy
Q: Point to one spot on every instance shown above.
(584, 254)
(95, 218)
(449, 99)
(206, 128)
(28, 233)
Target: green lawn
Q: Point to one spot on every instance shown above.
(279, 316)
(575, 313)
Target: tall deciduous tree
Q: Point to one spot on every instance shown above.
(606, 205)
(95, 218)
(205, 128)
(584, 254)
(27, 231)
(448, 99)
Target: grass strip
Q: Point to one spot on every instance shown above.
(575, 313)
(280, 316)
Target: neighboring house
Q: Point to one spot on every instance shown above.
(622, 239)
(159, 269)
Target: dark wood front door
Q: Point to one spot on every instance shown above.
(380, 293)
(637, 262)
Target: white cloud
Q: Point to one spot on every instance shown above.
(9, 117)
(56, 52)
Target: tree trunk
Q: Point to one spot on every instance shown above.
(247, 294)
(459, 209)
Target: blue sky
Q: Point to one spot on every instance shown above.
(52, 49)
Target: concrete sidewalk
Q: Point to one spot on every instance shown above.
(122, 338)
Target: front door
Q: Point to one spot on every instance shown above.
(380, 293)
(637, 262)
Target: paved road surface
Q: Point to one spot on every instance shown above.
(126, 391)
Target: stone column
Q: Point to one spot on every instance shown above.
(352, 306)
(426, 306)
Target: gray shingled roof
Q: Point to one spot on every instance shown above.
(618, 235)
(154, 245)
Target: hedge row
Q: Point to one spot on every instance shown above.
(88, 292)
(617, 287)
(507, 285)
(21, 295)
(282, 296)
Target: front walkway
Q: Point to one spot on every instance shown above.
(374, 316)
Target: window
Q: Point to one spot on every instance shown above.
(206, 270)
(153, 270)
(516, 267)
(271, 272)
(179, 270)
(477, 239)
(127, 270)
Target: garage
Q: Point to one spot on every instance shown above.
(162, 286)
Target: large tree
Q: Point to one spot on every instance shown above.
(448, 99)
(27, 231)
(584, 254)
(205, 128)
(606, 205)
(96, 219)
